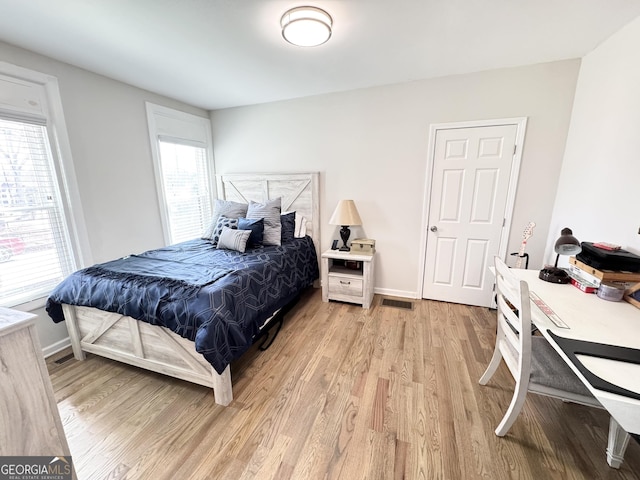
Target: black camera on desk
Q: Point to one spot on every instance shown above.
(554, 275)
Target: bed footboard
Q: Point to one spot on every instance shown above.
(143, 345)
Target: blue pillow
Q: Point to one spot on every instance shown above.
(288, 223)
(257, 229)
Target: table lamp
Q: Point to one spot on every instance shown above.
(567, 244)
(345, 214)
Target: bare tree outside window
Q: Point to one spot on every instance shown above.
(34, 245)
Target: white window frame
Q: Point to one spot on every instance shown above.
(181, 127)
(37, 95)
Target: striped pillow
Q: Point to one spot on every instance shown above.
(231, 239)
(270, 211)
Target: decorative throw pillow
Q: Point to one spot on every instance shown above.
(270, 211)
(229, 209)
(231, 239)
(256, 227)
(288, 223)
(223, 222)
(301, 227)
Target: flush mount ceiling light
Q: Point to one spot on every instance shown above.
(306, 26)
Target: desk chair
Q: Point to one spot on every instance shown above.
(534, 364)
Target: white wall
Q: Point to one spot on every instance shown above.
(599, 191)
(107, 125)
(371, 145)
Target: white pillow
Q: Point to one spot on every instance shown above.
(232, 239)
(270, 211)
(301, 226)
(229, 209)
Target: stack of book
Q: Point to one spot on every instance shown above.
(588, 278)
(579, 281)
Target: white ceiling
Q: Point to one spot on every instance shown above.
(223, 53)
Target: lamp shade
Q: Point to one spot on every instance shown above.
(306, 26)
(345, 213)
(567, 244)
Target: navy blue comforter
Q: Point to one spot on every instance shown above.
(217, 298)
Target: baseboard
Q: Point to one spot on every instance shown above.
(56, 347)
(396, 293)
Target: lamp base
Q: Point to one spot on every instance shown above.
(554, 275)
(344, 235)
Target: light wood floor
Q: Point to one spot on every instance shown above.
(343, 393)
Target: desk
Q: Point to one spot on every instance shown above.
(592, 319)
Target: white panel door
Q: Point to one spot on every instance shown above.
(469, 190)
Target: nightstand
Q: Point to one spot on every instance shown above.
(348, 277)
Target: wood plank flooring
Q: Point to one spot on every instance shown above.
(343, 393)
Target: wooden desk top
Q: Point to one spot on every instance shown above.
(593, 319)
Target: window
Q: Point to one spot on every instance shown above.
(36, 247)
(185, 183)
(182, 152)
(35, 251)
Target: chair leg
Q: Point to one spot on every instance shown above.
(519, 396)
(493, 364)
(618, 441)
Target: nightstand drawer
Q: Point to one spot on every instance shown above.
(345, 286)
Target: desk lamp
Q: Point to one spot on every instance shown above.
(567, 244)
(345, 214)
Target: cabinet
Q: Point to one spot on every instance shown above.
(29, 416)
(348, 277)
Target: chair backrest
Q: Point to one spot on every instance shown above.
(514, 317)
(533, 362)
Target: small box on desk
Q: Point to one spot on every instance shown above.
(585, 286)
(364, 246)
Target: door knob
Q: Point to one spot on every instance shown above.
(434, 229)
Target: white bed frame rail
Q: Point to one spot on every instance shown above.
(143, 345)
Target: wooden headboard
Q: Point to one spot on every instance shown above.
(299, 192)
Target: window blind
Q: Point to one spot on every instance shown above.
(185, 180)
(35, 253)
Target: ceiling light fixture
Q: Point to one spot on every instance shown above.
(306, 26)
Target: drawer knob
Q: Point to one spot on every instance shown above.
(345, 283)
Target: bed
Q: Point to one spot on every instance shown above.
(233, 317)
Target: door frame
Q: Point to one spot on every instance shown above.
(521, 124)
